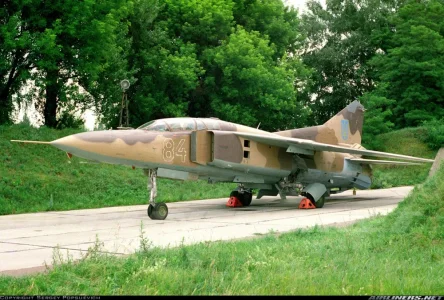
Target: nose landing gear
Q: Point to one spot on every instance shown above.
(156, 211)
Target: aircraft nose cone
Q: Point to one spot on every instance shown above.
(111, 146)
(81, 144)
(65, 143)
(129, 137)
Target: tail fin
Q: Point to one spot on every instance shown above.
(344, 128)
(347, 124)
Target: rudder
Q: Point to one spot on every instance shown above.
(344, 128)
(347, 124)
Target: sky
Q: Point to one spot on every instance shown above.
(296, 3)
(300, 4)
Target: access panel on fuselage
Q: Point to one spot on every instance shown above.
(231, 148)
(201, 147)
(265, 156)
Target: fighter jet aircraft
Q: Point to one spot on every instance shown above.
(313, 161)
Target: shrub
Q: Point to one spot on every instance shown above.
(434, 133)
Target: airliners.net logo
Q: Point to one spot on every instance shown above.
(406, 298)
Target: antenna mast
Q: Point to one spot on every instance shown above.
(124, 84)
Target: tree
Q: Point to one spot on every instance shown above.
(15, 42)
(202, 23)
(165, 68)
(412, 70)
(252, 88)
(74, 42)
(377, 115)
(279, 23)
(340, 40)
(106, 90)
(182, 52)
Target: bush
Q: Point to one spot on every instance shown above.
(434, 133)
(68, 120)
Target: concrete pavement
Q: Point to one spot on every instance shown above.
(28, 241)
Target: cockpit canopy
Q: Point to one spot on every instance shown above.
(181, 124)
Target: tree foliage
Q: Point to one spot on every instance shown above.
(234, 60)
(76, 41)
(63, 46)
(434, 136)
(15, 64)
(412, 69)
(377, 115)
(246, 61)
(340, 40)
(251, 88)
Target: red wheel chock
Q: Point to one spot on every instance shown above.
(306, 204)
(234, 202)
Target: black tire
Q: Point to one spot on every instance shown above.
(150, 212)
(246, 198)
(318, 204)
(160, 211)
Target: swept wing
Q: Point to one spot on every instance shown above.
(308, 147)
(380, 162)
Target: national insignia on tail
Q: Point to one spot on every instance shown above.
(344, 129)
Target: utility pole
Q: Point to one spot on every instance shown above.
(124, 84)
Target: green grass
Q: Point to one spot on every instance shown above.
(41, 178)
(408, 142)
(399, 254)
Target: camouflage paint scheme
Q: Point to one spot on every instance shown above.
(315, 160)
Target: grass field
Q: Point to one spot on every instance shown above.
(408, 142)
(399, 254)
(42, 178)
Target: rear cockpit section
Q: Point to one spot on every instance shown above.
(182, 124)
(193, 124)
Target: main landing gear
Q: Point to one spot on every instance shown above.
(309, 202)
(240, 197)
(156, 211)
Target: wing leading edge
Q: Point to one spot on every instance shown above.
(286, 142)
(380, 162)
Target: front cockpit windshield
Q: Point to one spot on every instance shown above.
(157, 125)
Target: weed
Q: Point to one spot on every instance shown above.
(145, 244)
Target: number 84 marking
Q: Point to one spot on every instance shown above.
(169, 151)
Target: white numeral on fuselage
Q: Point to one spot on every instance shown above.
(169, 150)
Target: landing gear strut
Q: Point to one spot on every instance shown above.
(156, 211)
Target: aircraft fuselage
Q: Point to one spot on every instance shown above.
(216, 156)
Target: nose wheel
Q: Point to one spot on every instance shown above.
(156, 211)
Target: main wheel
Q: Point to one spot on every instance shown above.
(234, 194)
(246, 198)
(150, 212)
(318, 204)
(161, 211)
(158, 211)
